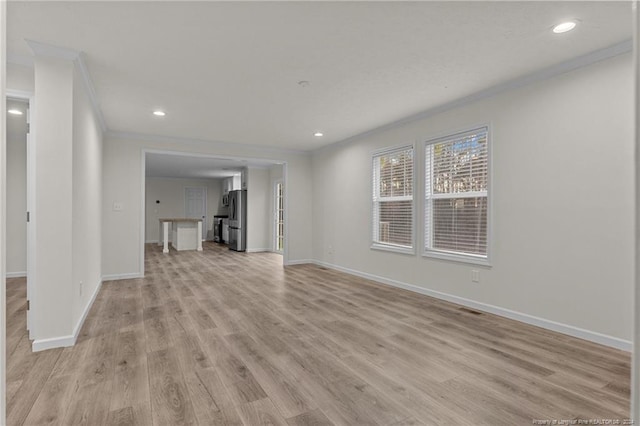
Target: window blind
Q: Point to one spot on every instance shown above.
(456, 194)
(392, 221)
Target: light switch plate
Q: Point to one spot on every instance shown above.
(117, 207)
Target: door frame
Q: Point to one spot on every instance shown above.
(143, 181)
(206, 210)
(274, 240)
(31, 204)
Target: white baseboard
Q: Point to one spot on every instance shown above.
(65, 341)
(300, 262)
(156, 241)
(114, 277)
(87, 308)
(52, 343)
(258, 250)
(570, 330)
(16, 274)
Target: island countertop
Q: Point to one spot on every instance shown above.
(187, 233)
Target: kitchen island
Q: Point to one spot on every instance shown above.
(186, 234)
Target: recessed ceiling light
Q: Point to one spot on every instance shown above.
(304, 83)
(159, 113)
(318, 134)
(15, 112)
(564, 27)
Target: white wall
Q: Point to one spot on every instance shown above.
(87, 200)
(562, 194)
(123, 180)
(20, 77)
(258, 209)
(16, 191)
(170, 193)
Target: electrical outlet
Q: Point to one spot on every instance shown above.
(117, 207)
(330, 249)
(80, 288)
(475, 276)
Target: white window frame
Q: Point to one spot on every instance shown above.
(374, 223)
(427, 213)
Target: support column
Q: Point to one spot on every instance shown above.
(53, 199)
(165, 237)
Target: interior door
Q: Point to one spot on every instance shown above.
(195, 206)
(31, 235)
(278, 216)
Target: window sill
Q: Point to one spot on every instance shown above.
(460, 258)
(393, 249)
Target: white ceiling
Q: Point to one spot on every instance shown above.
(229, 71)
(196, 167)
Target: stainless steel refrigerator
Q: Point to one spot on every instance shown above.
(238, 220)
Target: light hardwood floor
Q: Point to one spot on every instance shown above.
(220, 337)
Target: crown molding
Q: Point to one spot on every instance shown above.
(91, 91)
(51, 51)
(43, 49)
(540, 75)
(209, 143)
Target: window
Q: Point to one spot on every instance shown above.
(456, 196)
(392, 220)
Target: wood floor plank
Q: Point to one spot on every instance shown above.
(131, 380)
(156, 329)
(170, 403)
(238, 379)
(226, 412)
(19, 365)
(310, 418)
(226, 338)
(121, 417)
(82, 408)
(284, 393)
(12, 389)
(52, 403)
(261, 412)
(421, 401)
(98, 364)
(31, 385)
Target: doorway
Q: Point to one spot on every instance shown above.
(20, 191)
(169, 190)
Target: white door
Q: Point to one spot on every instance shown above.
(31, 234)
(195, 206)
(278, 216)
